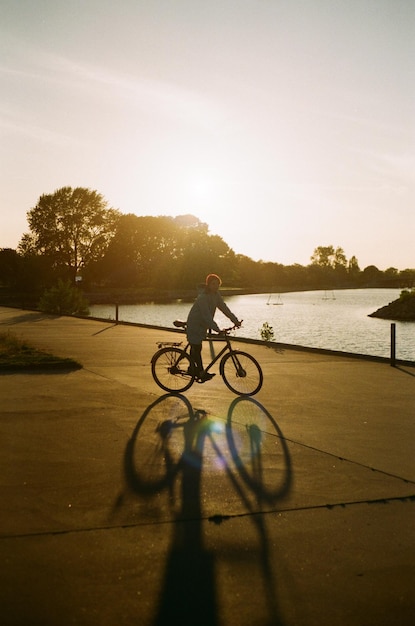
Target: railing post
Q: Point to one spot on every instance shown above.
(393, 344)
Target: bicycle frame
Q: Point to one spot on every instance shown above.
(226, 348)
(221, 353)
(186, 349)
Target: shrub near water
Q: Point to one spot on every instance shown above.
(267, 332)
(63, 299)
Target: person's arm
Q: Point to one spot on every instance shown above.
(226, 310)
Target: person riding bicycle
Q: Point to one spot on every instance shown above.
(200, 319)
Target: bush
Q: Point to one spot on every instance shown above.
(267, 332)
(63, 299)
(405, 294)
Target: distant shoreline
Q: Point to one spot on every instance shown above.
(148, 296)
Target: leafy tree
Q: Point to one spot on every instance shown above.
(246, 270)
(327, 256)
(71, 226)
(163, 252)
(323, 256)
(339, 259)
(190, 221)
(407, 277)
(371, 276)
(297, 275)
(268, 276)
(28, 245)
(139, 246)
(328, 267)
(353, 266)
(391, 272)
(200, 254)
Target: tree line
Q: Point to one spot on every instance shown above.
(74, 236)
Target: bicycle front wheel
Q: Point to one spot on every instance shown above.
(170, 368)
(241, 373)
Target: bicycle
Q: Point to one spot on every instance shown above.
(172, 368)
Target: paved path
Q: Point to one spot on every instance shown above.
(122, 505)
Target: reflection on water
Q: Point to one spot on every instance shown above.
(335, 320)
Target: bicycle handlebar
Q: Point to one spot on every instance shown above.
(223, 331)
(226, 331)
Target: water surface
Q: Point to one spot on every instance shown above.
(335, 320)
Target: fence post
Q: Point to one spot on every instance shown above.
(393, 344)
(116, 311)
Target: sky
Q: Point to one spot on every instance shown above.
(283, 124)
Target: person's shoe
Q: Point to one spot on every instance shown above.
(205, 376)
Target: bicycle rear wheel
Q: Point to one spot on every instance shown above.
(241, 373)
(170, 368)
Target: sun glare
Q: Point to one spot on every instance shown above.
(201, 189)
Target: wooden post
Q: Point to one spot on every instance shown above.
(116, 311)
(393, 344)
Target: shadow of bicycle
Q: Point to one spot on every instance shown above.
(172, 446)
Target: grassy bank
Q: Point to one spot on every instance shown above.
(16, 354)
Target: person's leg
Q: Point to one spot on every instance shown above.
(196, 357)
(197, 364)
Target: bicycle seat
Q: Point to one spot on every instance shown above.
(179, 324)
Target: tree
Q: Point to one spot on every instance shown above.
(246, 270)
(328, 267)
(201, 254)
(163, 252)
(339, 260)
(370, 276)
(327, 256)
(353, 266)
(71, 226)
(323, 256)
(407, 277)
(190, 221)
(138, 246)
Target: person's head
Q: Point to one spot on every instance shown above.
(213, 282)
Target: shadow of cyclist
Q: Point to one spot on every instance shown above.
(188, 594)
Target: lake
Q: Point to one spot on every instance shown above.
(334, 320)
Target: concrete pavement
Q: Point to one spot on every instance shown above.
(123, 505)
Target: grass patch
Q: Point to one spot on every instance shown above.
(16, 354)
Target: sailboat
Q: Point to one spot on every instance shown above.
(277, 302)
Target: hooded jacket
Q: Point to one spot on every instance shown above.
(201, 315)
